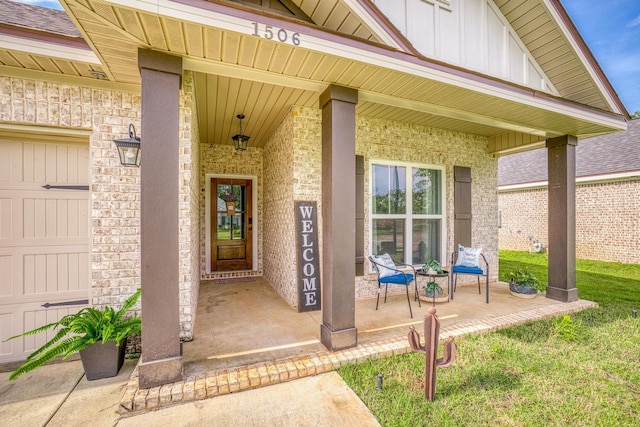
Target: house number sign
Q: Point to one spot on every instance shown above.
(307, 256)
(270, 32)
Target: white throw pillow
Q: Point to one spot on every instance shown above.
(386, 265)
(468, 257)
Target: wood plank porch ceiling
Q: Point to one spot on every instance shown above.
(238, 72)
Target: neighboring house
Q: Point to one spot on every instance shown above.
(375, 126)
(607, 198)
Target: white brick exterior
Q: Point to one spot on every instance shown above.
(115, 190)
(288, 169)
(293, 161)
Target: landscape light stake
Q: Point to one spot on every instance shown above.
(430, 350)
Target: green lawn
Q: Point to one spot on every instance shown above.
(529, 375)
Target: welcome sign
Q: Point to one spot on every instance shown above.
(307, 256)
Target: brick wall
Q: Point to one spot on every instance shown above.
(375, 139)
(607, 222)
(115, 200)
(189, 208)
(382, 139)
(279, 234)
(224, 160)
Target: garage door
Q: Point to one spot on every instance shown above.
(44, 237)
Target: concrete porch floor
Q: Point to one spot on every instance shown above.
(246, 336)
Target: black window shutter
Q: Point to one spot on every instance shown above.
(462, 206)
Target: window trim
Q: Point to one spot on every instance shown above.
(408, 217)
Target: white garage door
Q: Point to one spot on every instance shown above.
(44, 238)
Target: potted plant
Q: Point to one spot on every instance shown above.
(524, 283)
(433, 293)
(432, 266)
(433, 290)
(99, 335)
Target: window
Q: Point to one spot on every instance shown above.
(407, 215)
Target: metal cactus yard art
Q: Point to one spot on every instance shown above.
(430, 350)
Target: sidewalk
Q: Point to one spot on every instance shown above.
(59, 395)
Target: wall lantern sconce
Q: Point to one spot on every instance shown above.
(129, 148)
(240, 141)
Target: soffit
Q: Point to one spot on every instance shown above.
(237, 72)
(56, 59)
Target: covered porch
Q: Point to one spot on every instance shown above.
(323, 109)
(247, 336)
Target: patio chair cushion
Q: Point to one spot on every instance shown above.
(387, 267)
(398, 279)
(468, 257)
(467, 270)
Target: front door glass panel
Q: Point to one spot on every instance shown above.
(231, 212)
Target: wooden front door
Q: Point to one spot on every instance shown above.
(231, 247)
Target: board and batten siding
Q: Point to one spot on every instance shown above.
(468, 33)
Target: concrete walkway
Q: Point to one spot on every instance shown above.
(60, 395)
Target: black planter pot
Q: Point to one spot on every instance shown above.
(522, 289)
(103, 360)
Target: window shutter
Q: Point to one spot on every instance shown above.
(462, 206)
(359, 215)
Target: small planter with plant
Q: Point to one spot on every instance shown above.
(433, 292)
(432, 266)
(524, 283)
(99, 335)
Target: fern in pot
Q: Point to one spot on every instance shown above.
(99, 335)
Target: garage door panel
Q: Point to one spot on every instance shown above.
(6, 330)
(15, 319)
(44, 238)
(10, 161)
(56, 217)
(6, 275)
(50, 273)
(7, 218)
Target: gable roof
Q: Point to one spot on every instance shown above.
(602, 155)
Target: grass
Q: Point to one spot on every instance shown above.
(580, 371)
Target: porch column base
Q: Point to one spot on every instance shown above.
(338, 340)
(159, 372)
(564, 295)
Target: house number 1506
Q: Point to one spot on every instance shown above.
(270, 33)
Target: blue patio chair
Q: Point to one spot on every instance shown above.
(388, 273)
(482, 270)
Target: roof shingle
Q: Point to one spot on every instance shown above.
(37, 18)
(600, 155)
